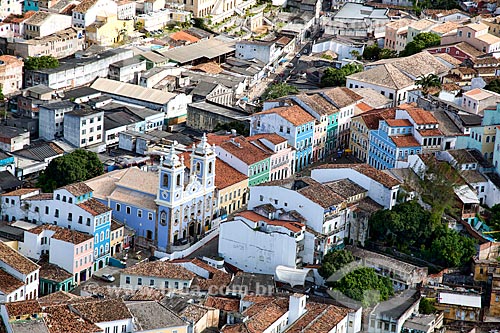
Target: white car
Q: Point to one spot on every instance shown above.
(108, 278)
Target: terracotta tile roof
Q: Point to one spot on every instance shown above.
(263, 315)
(94, 207)
(16, 260)
(63, 234)
(368, 171)
(253, 216)
(60, 319)
(446, 27)
(13, 18)
(294, 114)
(342, 96)
(238, 328)
(436, 13)
(431, 132)
(217, 279)
(85, 5)
(223, 303)
(244, 150)
(372, 118)
(405, 141)
(421, 116)
(478, 94)
(77, 189)
(20, 192)
(402, 23)
(115, 225)
(321, 195)
(283, 40)
(9, 283)
(318, 103)
(182, 35)
(103, 311)
(41, 196)
(318, 318)
(15, 309)
(364, 107)
(346, 188)
(208, 67)
(398, 122)
(54, 273)
(225, 175)
(56, 297)
(274, 138)
(160, 269)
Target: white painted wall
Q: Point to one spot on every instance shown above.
(378, 192)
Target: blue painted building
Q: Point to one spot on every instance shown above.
(30, 5)
(72, 207)
(392, 143)
(291, 122)
(7, 162)
(171, 209)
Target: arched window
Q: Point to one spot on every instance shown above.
(165, 180)
(198, 166)
(178, 180)
(163, 218)
(210, 167)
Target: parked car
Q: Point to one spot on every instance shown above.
(108, 278)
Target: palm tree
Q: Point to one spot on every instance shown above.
(427, 82)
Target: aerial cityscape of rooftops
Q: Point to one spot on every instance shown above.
(250, 166)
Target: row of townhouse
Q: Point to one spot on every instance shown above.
(385, 138)
(72, 207)
(295, 222)
(68, 313)
(315, 124)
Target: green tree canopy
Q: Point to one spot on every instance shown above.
(77, 166)
(407, 223)
(494, 86)
(365, 286)
(336, 77)
(42, 62)
(426, 306)
(421, 41)
(333, 261)
(427, 82)
(373, 52)
(279, 90)
(450, 249)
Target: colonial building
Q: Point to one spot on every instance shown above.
(71, 207)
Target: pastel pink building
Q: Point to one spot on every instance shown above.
(69, 249)
(282, 154)
(475, 34)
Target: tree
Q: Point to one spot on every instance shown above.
(355, 54)
(427, 82)
(77, 166)
(494, 221)
(371, 52)
(494, 86)
(333, 261)
(437, 187)
(365, 286)
(421, 41)
(42, 62)
(407, 224)
(426, 306)
(279, 90)
(451, 249)
(335, 77)
(387, 54)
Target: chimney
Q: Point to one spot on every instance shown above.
(296, 307)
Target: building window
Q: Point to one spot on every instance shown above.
(128, 210)
(152, 282)
(139, 281)
(150, 216)
(139, 213)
